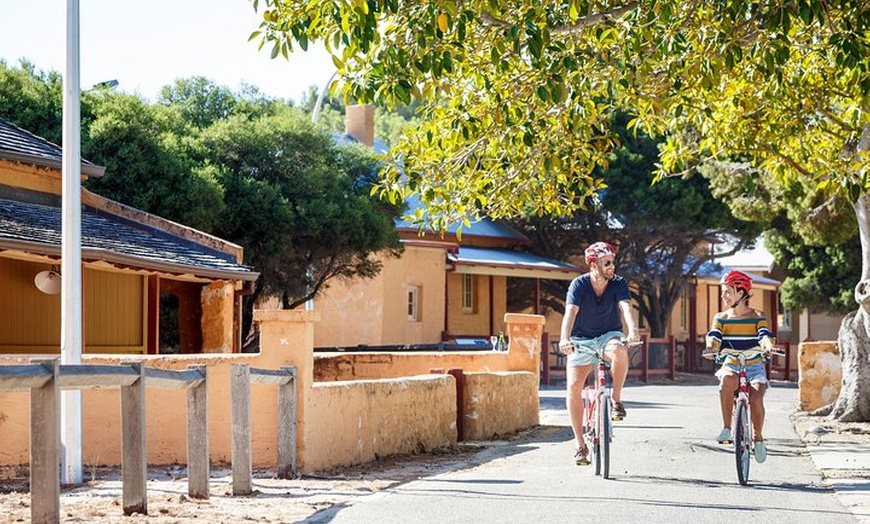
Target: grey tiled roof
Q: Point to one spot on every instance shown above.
(484, 227)
(21, 145)
(102, 232)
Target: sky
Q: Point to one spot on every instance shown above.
(147, 44)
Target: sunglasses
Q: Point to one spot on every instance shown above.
(606, 263)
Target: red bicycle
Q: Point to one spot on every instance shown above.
(741, 414)
(597, 421)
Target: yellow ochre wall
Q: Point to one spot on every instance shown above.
(338, 423)
(478, 321)
(373, 311)
(114, 312)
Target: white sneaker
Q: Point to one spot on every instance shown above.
(760, 451)
(724, 436)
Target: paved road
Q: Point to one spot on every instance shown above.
(666, 468)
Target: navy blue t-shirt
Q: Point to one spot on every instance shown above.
(597, 315)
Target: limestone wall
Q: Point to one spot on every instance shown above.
(497, 404)
(360, 421)
(338, 423)
(821, 374)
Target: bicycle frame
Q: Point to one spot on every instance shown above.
(597, 426)
(741, 425)
(742, 430)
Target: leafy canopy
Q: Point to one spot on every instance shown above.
(298, 204)
(663, 231)
(518, 93)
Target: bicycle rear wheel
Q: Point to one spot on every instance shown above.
(606, 433)
(742, 442)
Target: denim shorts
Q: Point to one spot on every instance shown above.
(755, 373)
(585, 349)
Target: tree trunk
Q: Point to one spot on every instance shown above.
(853, 403)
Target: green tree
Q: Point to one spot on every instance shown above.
(201, 101)
(150, 162)
(662, 231)
(518, 100)
(32, 100)
(299, 205)
(821, 278)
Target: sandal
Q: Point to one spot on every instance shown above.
(581, 457)
(617, 411)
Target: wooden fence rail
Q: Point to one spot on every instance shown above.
(644, 370)
(45, 379)
(241, 378)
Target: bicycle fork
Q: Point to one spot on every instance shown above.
(742, 398)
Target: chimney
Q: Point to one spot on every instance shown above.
(359, 122)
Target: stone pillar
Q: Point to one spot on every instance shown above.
(217, 317)
(287, 336)
(524, 348)
(821, 374)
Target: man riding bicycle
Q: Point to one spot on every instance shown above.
(596, 300)
(742, 328)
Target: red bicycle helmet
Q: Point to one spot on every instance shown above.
(738, 280)
(598, 250)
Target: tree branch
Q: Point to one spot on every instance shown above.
(582, 23)
(789, 160)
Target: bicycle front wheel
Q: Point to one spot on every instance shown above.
(742, 442)
(606, 433)
(597, 437)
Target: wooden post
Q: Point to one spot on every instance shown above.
(240, 378)
(45, 448)
(545, 358)
(460, 402)
(133, 458)
(198, 472)
(287, 426)
(644, 358)
(672, 356)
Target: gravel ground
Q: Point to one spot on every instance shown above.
(274, 500)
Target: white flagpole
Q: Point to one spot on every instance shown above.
(71, 250)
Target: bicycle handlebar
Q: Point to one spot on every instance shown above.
(746, 353)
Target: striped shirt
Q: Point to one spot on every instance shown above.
(738, 333)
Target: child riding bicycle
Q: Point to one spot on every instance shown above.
(740, 327)
(597, 304)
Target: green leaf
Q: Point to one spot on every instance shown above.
(447, 62)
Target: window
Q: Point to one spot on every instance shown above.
(783, 317)
(684, 309)
(468, 298)
(413, 294)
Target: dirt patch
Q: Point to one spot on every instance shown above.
(817, 429)
(813, 429)
(274, 500)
